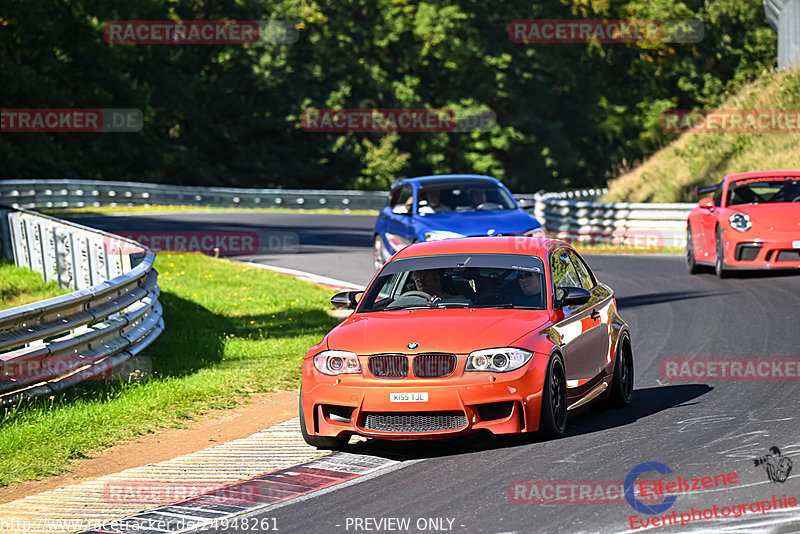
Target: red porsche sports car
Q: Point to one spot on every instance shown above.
(505, 334)
(751, 221)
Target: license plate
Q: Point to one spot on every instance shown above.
(408, 397)
(795, 244)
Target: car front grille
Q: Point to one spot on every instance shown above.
(788, 255)
(434, 365)
(414, 421)
(388, 365)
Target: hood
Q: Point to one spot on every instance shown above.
(479, 223)
(457, 331)
(781, 217)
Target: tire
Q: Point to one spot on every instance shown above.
(622, 381)
(719, 261)
(691, 263)
(553, 419)
(320, 442)
(377, 253)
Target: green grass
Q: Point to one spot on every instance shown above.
(231, 331)
(118, 210)
(699, 159)
(19, 286)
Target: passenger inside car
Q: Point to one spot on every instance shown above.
(432, 203)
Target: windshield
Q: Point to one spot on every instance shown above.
(448, 198)
(769, 190)
(458, 281)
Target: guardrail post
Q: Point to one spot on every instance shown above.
(6, 246)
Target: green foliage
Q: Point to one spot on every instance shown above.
(568, 115)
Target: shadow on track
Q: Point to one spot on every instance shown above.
(660, 298)
(645, 402)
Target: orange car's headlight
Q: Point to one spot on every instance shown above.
(497, 360)
(337, 362)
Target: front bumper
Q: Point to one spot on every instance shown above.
(502, 403)
(778, 250)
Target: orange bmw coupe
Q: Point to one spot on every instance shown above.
(505, 334)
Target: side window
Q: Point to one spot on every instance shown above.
(718, 196)
(584, 273)
(401, 197)
(562, 272)
(389, 289)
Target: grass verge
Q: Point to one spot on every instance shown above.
(700, 159)
(231, 331)
(19, 286)
(121, 210)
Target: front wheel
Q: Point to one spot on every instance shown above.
(377, 253)
(553, 419)
(320, 442)
(691, 263)
(622, 381)
(719, 261)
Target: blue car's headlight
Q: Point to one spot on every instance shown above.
(439, 235)
(536, 232)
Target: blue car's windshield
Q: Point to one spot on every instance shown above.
(457, 198)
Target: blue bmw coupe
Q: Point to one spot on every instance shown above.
(431, 208)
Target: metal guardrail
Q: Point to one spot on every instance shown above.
(112, 315)
(647, 225)
(570, 215)
(93, 193)
(784, 17)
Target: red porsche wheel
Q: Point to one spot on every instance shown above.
(719, 261)
(691, 263)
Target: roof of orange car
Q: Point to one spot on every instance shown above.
(531, 246)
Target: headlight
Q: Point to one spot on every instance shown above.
(337, 362)
(740, 221)
(497, 360)
(536, 232)
(439, 235)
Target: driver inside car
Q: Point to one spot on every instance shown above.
(430, 281)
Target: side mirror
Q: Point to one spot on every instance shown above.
(346, 300)
(524, 203)
(400, 209)
(707, 203)
(571, 296)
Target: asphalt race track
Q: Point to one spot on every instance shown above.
(696, 428)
